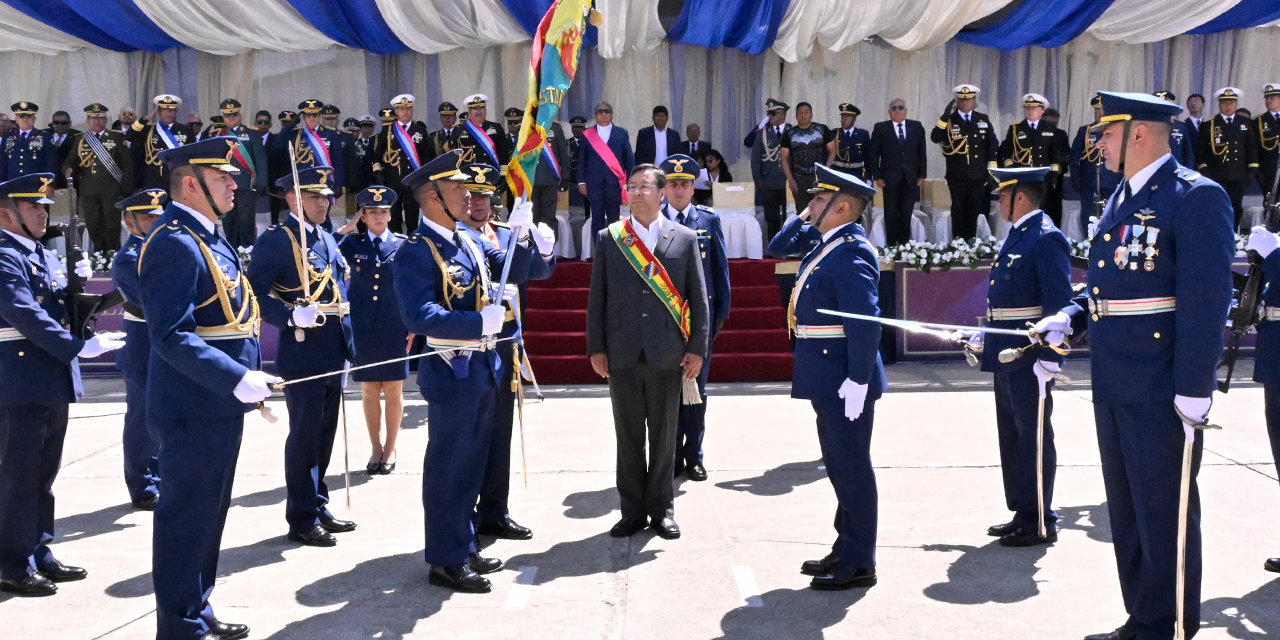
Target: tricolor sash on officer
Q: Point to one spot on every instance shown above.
(484, 141)
(318, 148)
(407, 146)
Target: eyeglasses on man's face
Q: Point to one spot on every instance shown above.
(604, 110)
(61, 123)
(897, 107)
(647, 187)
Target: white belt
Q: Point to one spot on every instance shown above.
(1015, 313)
(1267, 313)
(851, 165)
(209, 334)
(338, 309)
(9, 335)
(1135, 307)
(813, 331)
(450, 347)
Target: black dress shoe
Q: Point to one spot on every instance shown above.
(1020, 538)
(819, 567)
(484, 565)
(627, 527)
(697, 472)
(1272, 565)
(386, 468)
(334, 525)
(314, 537)
(1000, 530)
(59, 572)
(1118, 634)
(149, 504)
(225, 631)
(840, 576)
(460, 578)
(507, 529)
(32, 585)
(666, 528)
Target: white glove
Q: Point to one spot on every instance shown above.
(305, 316)
(510, 293)
(493, 316)
(855, 395)
(255, 386)
(521, 218)
(545, 238)
(101, 343)
(1054, 328)
(971, 338)
(1194, 408)
(83, 269)
(763, 122)
(1044, 371)
(1262, 241)
(1093, 226)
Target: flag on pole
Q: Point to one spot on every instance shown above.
(553, 61)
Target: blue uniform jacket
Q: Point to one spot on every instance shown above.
(796, 237)
(592, 171)
(1266, 363)
(539, 269)
(1182, 144)
(851, 152)
(1032, 270)
(1084, 172)
(41, 368)
(715, 260)
(372, 290)
(1183, 221)
(35, 154)
(273, 272)
(131, 359)
(423, 304)
(306, 158)
(188, 376)
(848, 279)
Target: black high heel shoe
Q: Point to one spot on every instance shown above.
(385, 468)
(374, 468)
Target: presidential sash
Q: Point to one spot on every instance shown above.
(318, 148)
(483, 140)
(166, 136)
(651, 271)
(610, 160)
(406, 145)
(241, 155)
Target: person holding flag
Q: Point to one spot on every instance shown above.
(480, 140)
(251, 157)
(316, 146)
(399, 150)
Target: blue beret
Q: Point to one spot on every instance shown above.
(30, 187)
(376, 196)
(314, 179)
(1018, 175)
(446, 166)
(150, 201)
(1121, 107)
(842, 183)
(214, 153)
(680, 167)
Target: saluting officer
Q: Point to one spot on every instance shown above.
(147, 139)
(1266, 137)
(438, 141)
(239, 226)
(970, 145)
(480, 140)
(849, 146)
(838, 368)
(203, 375)
(443, 279)
(315, 145)
(681, 170)
(1159, 286)
(1182, 140)
(1087, 168)
(39, 360)
(102, 168)
(27, 149)
(397, 152)
(141, 468)
(1032, 143)
(303, 285)
(1225, 149)
(493, 517)
(1032, 273)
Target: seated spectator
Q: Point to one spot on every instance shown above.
(714, 170)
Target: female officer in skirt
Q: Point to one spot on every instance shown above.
(380, 334)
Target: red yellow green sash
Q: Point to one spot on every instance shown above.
(651, 271)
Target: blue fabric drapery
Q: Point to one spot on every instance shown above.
(123, 20)
(749, 25)
(528, 13)
(353, 23)
(61, 17)
(1249, 13)
(1044, 23)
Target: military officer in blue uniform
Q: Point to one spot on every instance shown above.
(141, 468)
(1159, 287)
(315, 145)
(483, 182)
(1266, 367)
(1032, 273)
(147, 139)
(1182, 141)
(681, 170)
(849, 146)
(39, 360)
(25, 149)
(378, 330)
(313, 315)
(838, 368)
(1087, 168)
(444, 280)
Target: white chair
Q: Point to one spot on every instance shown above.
(565, 247)
(742, 235)
(1071, 220)
(941, 226)
(984, 227)
(919, 226)
(875, 233)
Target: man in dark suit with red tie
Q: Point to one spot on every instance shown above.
(897, 163)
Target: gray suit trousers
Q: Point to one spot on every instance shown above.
(646, 401)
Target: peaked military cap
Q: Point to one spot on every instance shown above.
(680, 167)
(513, 114)
(376, 196)
(482, 178)
(387, 115)
(1035, 100)
(1228, 93)
(1166, 95)
(96, 109)
(30, 188)
(330, 110)
(350, 124)
(577, 121)
(150, 201)
(841, 183)
(217, 120)
(772, 105)
(214, 153)
(1018, 175)
(24, 108)
(447, 109)
(847, 109)
(229, 107)
(402, 100)
(366, 119)
(312, 179)
(287, 116)
(311, 107)
(1119, 107)
(166, 101)
(966, 91)
(477, 101)
(1096, 101)
(1271, 89)
(446, 166)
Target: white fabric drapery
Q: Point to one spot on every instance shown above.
(924, 25)
(628, 24)
(18, 32)
(910, 25)
(227, 27)
(1140, 21)
(434, 26)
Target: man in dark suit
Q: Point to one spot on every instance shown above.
(654, 144)
(766, 165)
(61, 136)
(1195, 111)
(577, 125)
(897, 163)
(650, 346)
(601, 178)
(99, 187)
(693, 145)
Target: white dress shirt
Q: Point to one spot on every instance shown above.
(444, 232)
(200, 217)
(1139, 179)
(659, 145)
(604, 130)
(649, 235)
(830, 234)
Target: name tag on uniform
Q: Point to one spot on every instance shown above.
(1022, 135)
(982, 124)
(1048, 134)
(1244, 127)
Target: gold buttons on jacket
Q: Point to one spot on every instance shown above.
(1157, 335)
(1095, 291)
(375, 297)
(1107, 237)
(1102, 263)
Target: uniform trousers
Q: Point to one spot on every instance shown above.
(404, 213)
(1052, 204)
(805, 182)
(496, 486)
(101, 219)
(646, 402)
(693, 421)
(1271, 404)
(899, 203)
(198, 460)
(1017, 406)
(31, 440)
(606, 203)
(846, 451)
(775, 209)
(239, 223)
(313, 422)
(1141, 448)
(545, 198)
(1235, 191)
(459, 428)
(1087, 208)
(969, 199)
(141, 466)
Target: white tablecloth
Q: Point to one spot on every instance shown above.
(624, 212)
(743, 237)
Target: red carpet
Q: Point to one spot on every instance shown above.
(752, 346)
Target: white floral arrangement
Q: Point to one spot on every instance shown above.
(1242, 240)
(1079, 248)
(927, 256)
(101, 261)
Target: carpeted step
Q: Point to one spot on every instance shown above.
(568, 273)
(561, 298)
(751, 273)
(744, 296)
(751, 341)
(568, 369)
(556, 343)
(555, 319)
(749, 367)
(756, 318)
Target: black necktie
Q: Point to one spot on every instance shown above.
(377, 248)
(1128, 192)
(902, 137)
(680, 218)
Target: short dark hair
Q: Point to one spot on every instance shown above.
(262, 112)
(61, 113)
(659, 178)
(1034, 191)
(660, 109)
(1195, 95)
(1052, 113)
(176, 175)
(803, 104)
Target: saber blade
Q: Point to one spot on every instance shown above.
(932, 328)
(424, 354)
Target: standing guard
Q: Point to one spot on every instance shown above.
(1266, 368)
(480, 140)
(849, 147)
(240, 224)
(1032, 143)
(1182, 139)
(1093, 181)
(1267, 138)
(148, 139)
(315, 146)
(26, 149)
(1226, 152)
(398, 152)
(303, 280)
(439, 140)
(969, 143)
(102, 169)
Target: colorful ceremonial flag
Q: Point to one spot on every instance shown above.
(553, 61)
